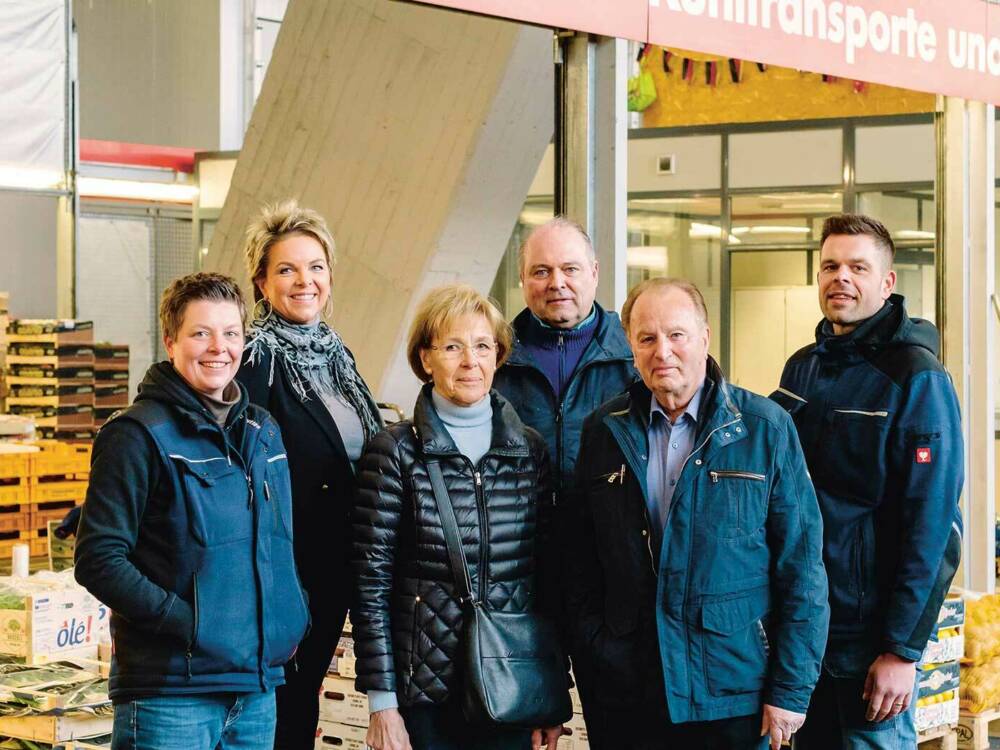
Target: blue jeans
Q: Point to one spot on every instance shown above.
(213, 721)
(836, 720)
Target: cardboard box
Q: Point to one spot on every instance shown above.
(577, 739)
(28, 374)
(80, 415)
(48, 353)
(944, 649)
(335, 736)
(43, 393)
(340, 703)
(40, 626)
(937, 714)
(61, 331)
(938, 678)
(53, 729)
(344, 662)
(952, 613)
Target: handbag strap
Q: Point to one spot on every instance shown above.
(452, 539)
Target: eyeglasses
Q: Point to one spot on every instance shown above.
(481, 349)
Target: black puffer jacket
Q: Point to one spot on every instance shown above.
(406, 615)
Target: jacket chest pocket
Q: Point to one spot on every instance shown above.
(735, 503)
(218, 499)
(853, 452)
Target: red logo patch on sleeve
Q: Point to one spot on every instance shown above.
(923, 455)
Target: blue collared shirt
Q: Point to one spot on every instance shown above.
(669, 446)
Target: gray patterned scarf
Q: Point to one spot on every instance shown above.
(313, 357)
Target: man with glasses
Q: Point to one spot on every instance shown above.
(879, 423)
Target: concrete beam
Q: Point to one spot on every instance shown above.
(416, 132)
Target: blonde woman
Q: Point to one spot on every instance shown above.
(298, 368)
(407, 613)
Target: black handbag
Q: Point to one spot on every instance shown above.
(511, 667)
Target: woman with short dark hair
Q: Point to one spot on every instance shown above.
(186, 536)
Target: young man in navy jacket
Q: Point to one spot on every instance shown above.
(879, 422)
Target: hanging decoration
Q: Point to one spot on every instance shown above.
(735, 70)
(692, 60)
(642, 87)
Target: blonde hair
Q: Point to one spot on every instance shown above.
(440, 308)
(275, 222)
(662, 282)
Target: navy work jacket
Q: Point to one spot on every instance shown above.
(604, 371)
(186, 535)
(879, 423)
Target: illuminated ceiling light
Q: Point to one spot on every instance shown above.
(647, 256)
(779, 230)
(701, 231)
(99, 187)
(31, 179)
(914, 234)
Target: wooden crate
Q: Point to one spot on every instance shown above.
(14, 491)
(938, 738)
(14, 465)
(52, 490)
(974, 730)
(42, 513)
(58, 458)
(15, 517)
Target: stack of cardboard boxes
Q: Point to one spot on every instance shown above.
(50, 376)
(48, 618)
(110, 380)
(939, 672)
(343, 711)
(4, 321)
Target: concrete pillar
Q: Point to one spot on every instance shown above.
(416, 132)
(593, 149)
(966, 316)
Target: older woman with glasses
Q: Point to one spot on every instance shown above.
(407, 613)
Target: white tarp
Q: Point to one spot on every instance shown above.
(33, 60)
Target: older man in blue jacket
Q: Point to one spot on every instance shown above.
(880, 426)
(696, 590)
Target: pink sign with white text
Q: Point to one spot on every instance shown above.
(939, 46)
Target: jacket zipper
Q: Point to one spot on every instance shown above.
(484, 541)
(861, 573)
(763, 638)
(414, 639)
(728, 474)
(194, 635)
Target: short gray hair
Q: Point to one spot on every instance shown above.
(664, 282)
(558, 222)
